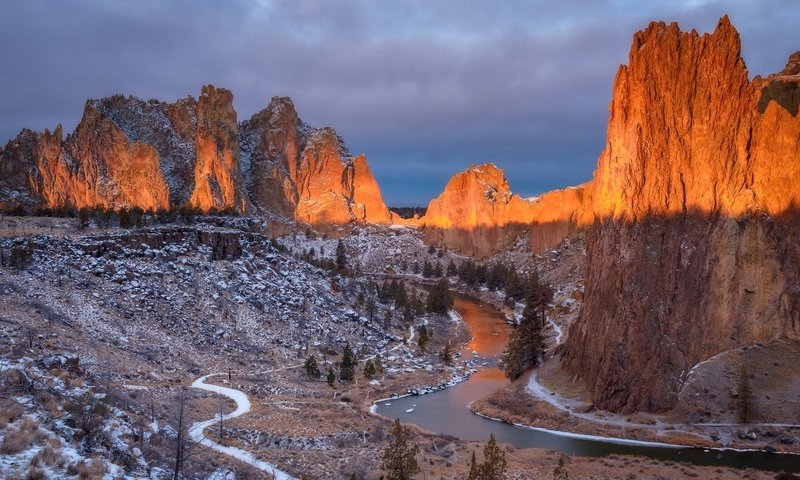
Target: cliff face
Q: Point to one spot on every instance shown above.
(307, 172)
(696, 247)
(478, 215)
(218, 182)
(127, 152)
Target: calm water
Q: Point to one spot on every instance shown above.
(447, 411)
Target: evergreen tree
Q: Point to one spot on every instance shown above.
(432, 249)
(560, 472)
(526, 344)
(341, 257)
(427, 269)
(744, 398)
(312, 369)
(416, 268)
(515, 288)
(369, 369)
(494, 461)
(446, 355)
(422, 341)
(331, 377)
(399, 458)
(437, 269)
(347, 366)
(439, 298)
(377, 362)
(452, 271)
(400, 296)
(474, 469)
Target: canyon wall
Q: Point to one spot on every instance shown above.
(478, 215)
(695, 248)
(127, 152)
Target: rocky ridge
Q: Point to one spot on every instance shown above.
(153, 155)
(478, 214)
(695, 250)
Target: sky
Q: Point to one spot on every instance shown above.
(424, 88)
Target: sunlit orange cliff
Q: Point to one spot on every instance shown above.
(127, 152)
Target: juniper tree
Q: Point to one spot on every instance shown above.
(427, 269)
(423, 337)
(446, 355)
(452, 271)
(526, 344)
(341, 257)
(331, 377)
(494, 461)
(744, 398)
(369, 369)
(347, 366)
(560, 472)
(399, 458)
(312, 369)
(439, 298)
(377, 362)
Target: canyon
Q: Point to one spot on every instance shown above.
(691, 220)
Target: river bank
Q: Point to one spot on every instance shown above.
(446, 412)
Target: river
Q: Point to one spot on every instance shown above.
(447, 411)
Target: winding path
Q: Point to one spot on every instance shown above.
(196, 431)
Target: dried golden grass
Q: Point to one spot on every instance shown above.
(48, 456)
(10, 410)
(20, 436)
(89, 470)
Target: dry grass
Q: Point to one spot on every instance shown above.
(20, 436)
(36, 474)
(50, 455)
(10, 410)
(89, 470)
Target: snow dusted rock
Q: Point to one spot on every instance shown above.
(127, 152)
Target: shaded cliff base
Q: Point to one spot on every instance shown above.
(706, 282)
(706, 415)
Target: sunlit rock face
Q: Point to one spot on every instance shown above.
(696, 247)
(218, 182)
(128, 152)
(478, 215)
(559, 214)
(307, 173)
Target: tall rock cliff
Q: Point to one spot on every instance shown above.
(307, 172)
(128, 152)
(218, 181)
(696, 248)
(478, 215)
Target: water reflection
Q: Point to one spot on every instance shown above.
(447, 411)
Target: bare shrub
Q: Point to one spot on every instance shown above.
(88, 413)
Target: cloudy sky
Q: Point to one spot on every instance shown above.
(425, 88)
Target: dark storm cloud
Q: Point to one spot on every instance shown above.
(423, 88)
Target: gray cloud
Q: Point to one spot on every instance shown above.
(423, 88)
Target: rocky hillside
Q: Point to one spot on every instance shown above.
(128, 152)
(695, 250)
(478, 215)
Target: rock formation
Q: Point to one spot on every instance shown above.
(697, 244)
(306, 172)
(478, 215)
(218, 182)
(127, 152)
